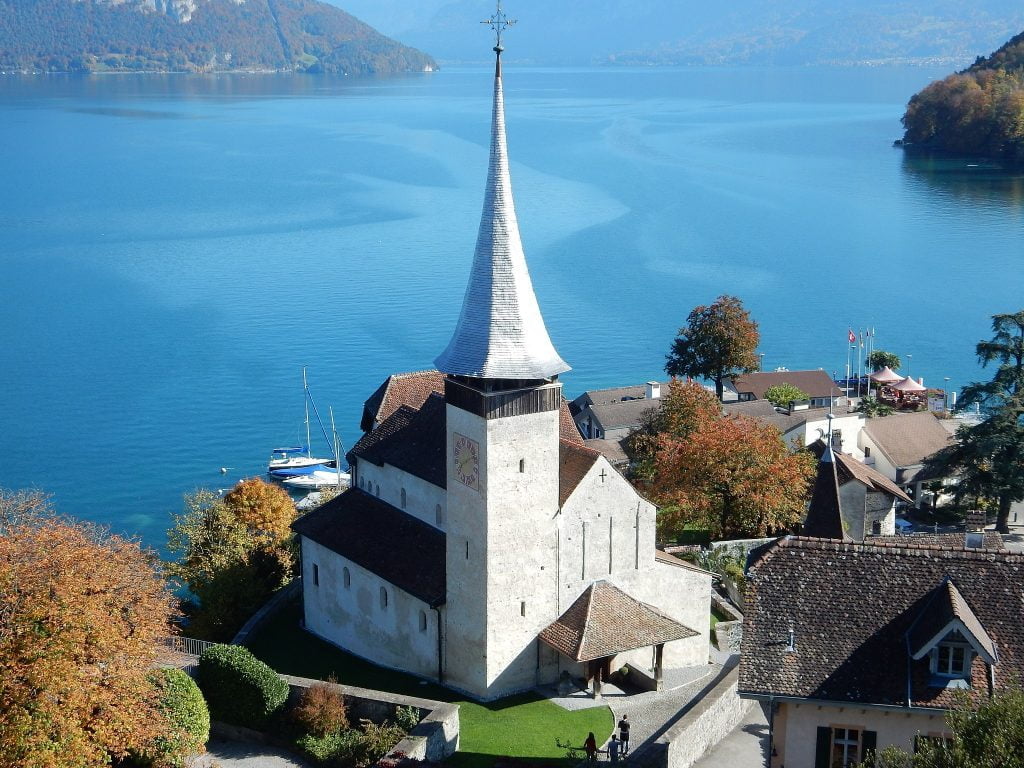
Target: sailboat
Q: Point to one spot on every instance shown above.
(320, 476)
(299, 456)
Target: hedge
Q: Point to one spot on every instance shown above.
(240, 688)
(185, 707)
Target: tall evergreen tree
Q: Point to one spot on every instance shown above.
(988, 458)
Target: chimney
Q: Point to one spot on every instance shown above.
(653, 390)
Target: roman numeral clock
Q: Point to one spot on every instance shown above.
(466, 455)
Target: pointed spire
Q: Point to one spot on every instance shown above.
(500, 333)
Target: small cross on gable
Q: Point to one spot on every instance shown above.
(603, 474)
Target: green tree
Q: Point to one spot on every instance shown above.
(988, 458)
(231, 554)
(718, 341)
(872, 406)
(989, 733)
(880, 358)
(781, 395)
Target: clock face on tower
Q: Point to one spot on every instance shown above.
(466, 455)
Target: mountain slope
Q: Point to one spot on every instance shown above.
(195, 35)
(672, 32)
(979, 111)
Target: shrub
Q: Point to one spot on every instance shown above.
(407, 718)
(240, 688)
(185, 708)
(352, 748)
(321, 710)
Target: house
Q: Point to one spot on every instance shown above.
(899, 445)
(850, 500)
(858, 646)
(821, 390)
(610, 414)
(801, 427)
(481, 544)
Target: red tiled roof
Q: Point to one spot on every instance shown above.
(604, 621)
(410, 440)
(400, 389)
(851, 607)
(907, 439)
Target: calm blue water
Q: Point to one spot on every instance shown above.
(173, 249)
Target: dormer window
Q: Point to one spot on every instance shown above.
(952, 656)
(951, 659)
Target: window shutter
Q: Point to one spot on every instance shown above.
(823, 747)
(869, 743)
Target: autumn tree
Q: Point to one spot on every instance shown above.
(988, 457)
(231, 554)
(81, 615)
(718, 341)
(731, 475)
(781, 395)
(879, 359)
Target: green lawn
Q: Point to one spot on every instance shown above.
(523, 726)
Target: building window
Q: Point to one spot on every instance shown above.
(438, 515)
(403, 498)
(377, 492)
(522, 608)
(845, 747)
(467, 549)
(876, 528)
(423, 621)
(383, 599)
(867, 452)
(346, 577)
(952, 660)
(522, 465)
(316, 575)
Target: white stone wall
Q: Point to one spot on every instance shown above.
(503, 592)
(422, 499)
(796, 728)
(850, 426)
(607, 531)
(354, 619)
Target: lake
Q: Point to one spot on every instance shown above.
(174, 248)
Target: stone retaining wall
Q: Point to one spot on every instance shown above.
(436, 738)
(728, 633)
(715, 715)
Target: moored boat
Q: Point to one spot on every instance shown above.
(321, 478)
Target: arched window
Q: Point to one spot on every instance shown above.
(346, 577)
(383, 598)
(423, 621)
(378, 490)
(403, 498)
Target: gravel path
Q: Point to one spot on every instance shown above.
(242, 754)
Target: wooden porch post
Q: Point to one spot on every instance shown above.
(659, 670)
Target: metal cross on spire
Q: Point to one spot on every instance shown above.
(499, 22)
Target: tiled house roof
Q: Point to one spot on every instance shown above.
(851, 608)
(409, 389)
(604, 621)
(907, 439)
(953, 540)
(386, 541)
(824, 515)
(574, 461)
(814, 383)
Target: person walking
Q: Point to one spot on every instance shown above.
(590, 747)
(624, 734)
(613, 749)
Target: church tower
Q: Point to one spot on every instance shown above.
(502, 417)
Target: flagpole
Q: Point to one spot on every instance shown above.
(847, 367)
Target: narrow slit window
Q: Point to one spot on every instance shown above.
(316, 575)
(522, 608)
(346, 577)
(383, 598)
(522, 465)
(403, 498)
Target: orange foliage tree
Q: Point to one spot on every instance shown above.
(733, 476)
(232, 554)
(718, 341)
(81, 612)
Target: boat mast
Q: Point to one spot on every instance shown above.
(337, 459)
(305, 399)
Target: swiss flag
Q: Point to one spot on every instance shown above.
(852, 337)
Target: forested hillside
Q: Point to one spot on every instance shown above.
(979, 111)
(195, 35)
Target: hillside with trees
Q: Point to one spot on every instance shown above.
(195, 36)
(979, 111)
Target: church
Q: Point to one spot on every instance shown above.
(481, 544)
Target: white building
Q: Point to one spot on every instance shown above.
(481, 544)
